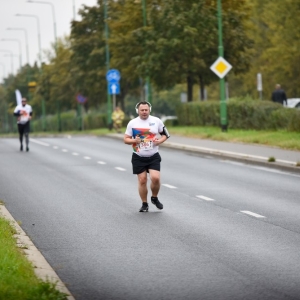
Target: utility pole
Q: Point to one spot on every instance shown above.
(41, 67)
(109, 111)
(149, 90)
(222, 80)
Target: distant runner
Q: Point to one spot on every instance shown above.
(24, 114)
(141, 133)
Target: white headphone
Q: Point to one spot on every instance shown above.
(142, 102)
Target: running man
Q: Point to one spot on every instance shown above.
(24, 114)
(142, 133)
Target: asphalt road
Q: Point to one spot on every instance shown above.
(227, 231)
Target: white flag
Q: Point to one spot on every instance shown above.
(18, 97)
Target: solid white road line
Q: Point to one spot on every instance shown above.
(205, 198)
(169, 186)
(40, 143)
(232, 163)
(120, 169)
(101, 163)
(252, 214)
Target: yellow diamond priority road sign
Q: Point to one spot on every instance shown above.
(221, 67)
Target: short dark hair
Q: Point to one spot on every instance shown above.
(142, 103)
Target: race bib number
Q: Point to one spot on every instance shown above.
(146, 145)
(24, 118)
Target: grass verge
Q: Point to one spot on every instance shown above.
(18, 280)
(282, 139)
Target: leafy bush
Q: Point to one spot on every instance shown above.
(241, 114)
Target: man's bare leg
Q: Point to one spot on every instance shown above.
(155, 182)
(142, 186)
(155, 187)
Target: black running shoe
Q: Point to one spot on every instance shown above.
(156, 202)
(144, 207)
(21, 148)
(27, 149)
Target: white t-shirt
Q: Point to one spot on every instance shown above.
(24, 118)
(147, 130)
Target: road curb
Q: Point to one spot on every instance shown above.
(42, 268)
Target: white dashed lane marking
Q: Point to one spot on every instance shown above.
(120, 169)
(205, 198)
(252, 214)
(166, 185)
(169, 186)
(39, 142)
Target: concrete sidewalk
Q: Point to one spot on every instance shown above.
(285, 159)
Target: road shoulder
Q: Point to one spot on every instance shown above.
(42, 268)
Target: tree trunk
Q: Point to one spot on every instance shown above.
(190, 88)
(201, 82)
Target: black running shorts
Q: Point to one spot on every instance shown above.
(141, 164)
(24, 128)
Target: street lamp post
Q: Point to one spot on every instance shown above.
(11, 59)
(27, 52)
(149, 91)
(3, 67)
(78, 104)
(109, 110)
(40, 57)
(39, 32)
(26, 40)
(53, 15)
(5, 106)
(55, 37)
(20, 48)
(74, 10)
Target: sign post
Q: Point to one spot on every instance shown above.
(259, 85)
(81, 100)
(221, 67)
(113, 77)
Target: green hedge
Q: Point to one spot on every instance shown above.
(71, 122)
(250, 114)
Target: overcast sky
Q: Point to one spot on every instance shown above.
(64, 14)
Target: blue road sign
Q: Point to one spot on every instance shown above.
(113, 75)
(80, 98)
(114, 88)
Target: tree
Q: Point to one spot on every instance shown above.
(125, 18)
(180, 42)
(88, 57)
(276, 33)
